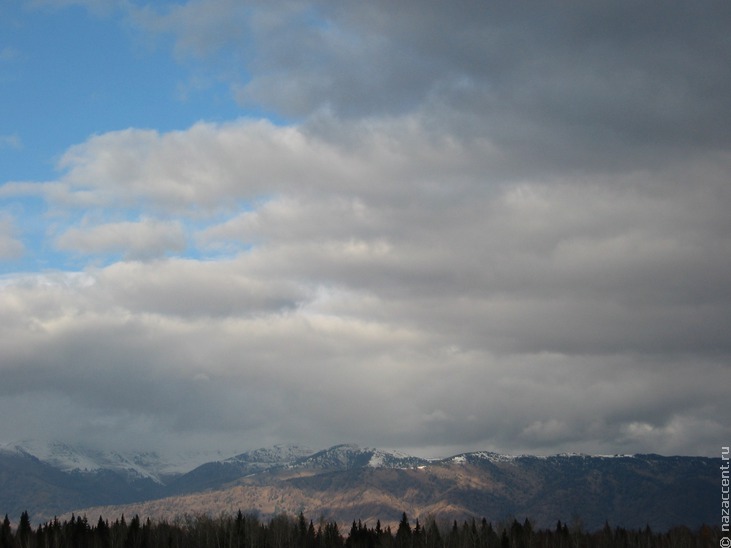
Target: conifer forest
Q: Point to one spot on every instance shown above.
(283, 531)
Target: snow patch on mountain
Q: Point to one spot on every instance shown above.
(382, 458)
(488, 456)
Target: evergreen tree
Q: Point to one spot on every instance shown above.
(6, 533)
(40, 536)
(417, 537)
(101, 533)
(331, 536)
(133, 533)
(311, 536)
(403, 533)
(287, 532)
(353, 536)
(301, 530)
(24, 530)
(239, 530)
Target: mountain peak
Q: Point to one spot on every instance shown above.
(277, 454)
(349, 456)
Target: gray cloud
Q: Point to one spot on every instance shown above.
(608, 85)
(490, 228)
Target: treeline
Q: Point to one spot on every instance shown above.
(249, 531)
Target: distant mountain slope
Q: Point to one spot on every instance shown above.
(26, 483)
(136, 465)
(346, 482)
(217, 474)
(51, 478)
(628, 490)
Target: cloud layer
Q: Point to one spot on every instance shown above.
(473, 227)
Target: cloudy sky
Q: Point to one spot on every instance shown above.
(431, 226)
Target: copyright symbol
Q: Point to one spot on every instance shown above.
(725, 542)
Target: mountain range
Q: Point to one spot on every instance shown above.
(347, 482)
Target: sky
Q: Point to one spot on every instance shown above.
(427, 226)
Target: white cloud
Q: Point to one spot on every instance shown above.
(203, 168)
(144, 239)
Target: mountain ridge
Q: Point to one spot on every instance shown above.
(346, 482)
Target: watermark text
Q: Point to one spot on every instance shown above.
(725, 496)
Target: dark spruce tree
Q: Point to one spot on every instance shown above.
(24, 530)
(403, 533)
(6, 533)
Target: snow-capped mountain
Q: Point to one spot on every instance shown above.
(283, 455)
(348, 456)
(82, 459)
(216, 473)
